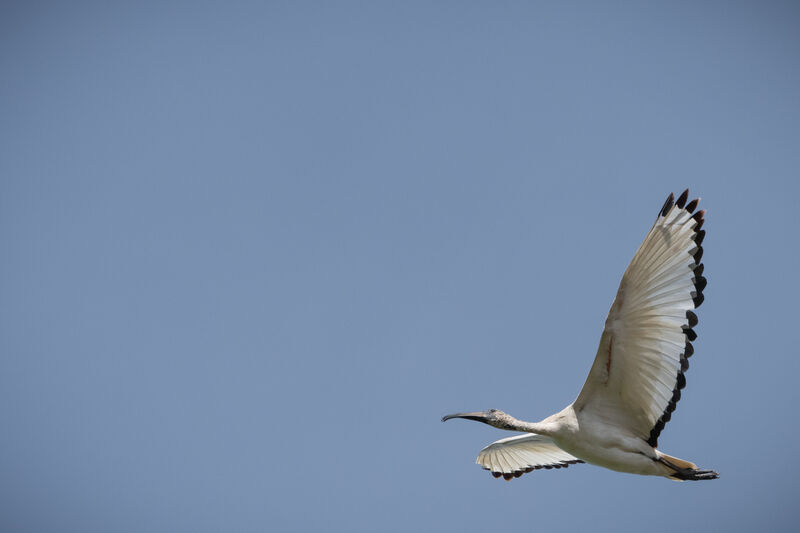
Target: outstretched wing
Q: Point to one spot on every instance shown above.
(515, 456)
(637, 375)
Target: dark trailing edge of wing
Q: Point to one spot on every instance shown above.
(518, 473)
(691, 318)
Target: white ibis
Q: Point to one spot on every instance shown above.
(637, 374)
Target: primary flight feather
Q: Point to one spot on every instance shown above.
(638, 373)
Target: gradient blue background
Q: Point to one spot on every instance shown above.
(252, 252)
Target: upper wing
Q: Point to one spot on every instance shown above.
(515, 456)
(637, 375)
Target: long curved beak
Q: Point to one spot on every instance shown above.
(478, 416)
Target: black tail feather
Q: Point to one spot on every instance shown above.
(688, 474)
(694, 475)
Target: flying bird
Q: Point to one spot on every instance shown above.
(637, 375)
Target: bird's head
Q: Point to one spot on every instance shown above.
(493, 417)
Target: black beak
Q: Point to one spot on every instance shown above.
(478, 416)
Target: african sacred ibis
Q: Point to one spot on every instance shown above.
(637, 375)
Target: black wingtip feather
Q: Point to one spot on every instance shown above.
(699, 236)
(700, 284)
(681, 201)
(691, 206)
(698, 300)
(699, 218)
(692, 318)
(698, 270)
(668, 204)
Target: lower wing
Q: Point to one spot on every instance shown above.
(515, 456)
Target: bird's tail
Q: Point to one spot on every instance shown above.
(681, 470)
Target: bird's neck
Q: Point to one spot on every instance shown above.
(541, 428)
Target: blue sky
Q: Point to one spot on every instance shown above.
(254, 251)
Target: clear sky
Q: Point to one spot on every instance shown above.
(252, 252)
